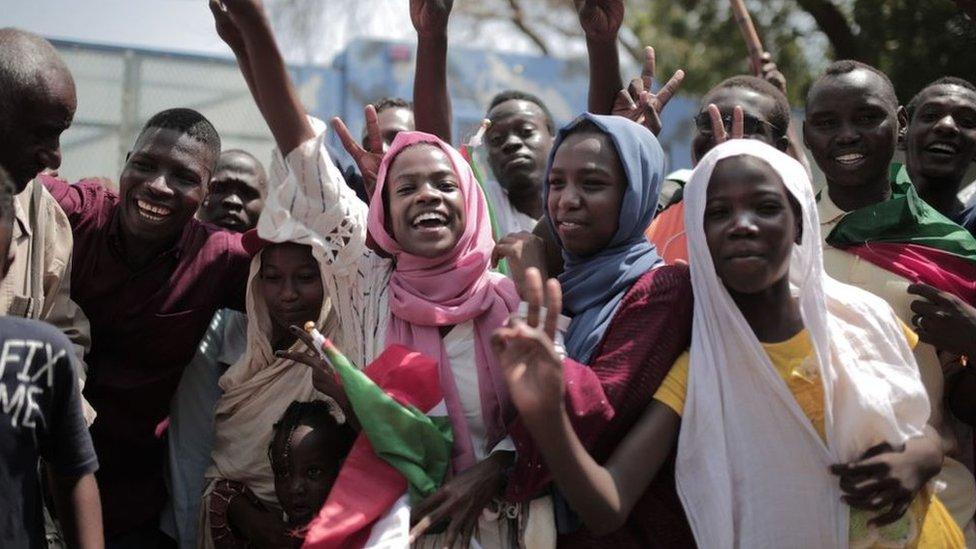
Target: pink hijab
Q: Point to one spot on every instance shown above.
(426, 294)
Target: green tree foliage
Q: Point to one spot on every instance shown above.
(913, 41)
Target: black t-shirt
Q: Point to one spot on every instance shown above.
(40, 416)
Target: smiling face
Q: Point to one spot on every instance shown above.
(305, 471)
(757, 110)
(31, 141)
(586, 187)
(425, 204)
(851, 127)
(750, 225)
(940, 144)
(291, 284)
(161, 186)
(518, 142)
(235, 196)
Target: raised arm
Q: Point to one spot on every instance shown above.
(264, 69)
(602, 495)
(601, 20)
(432, 103)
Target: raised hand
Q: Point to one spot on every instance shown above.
(737, 126)
(600, 19)
(771, 73)
(639, 104)
(226, 28)
(239, 9)
(369, 159)
(533, 368)
(430, 17)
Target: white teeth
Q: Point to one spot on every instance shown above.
(155, 212)
(849, 158)
(942, 148)
(430, 216)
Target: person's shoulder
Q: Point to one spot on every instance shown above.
(668, 279)
(216, 238)
(15, 328)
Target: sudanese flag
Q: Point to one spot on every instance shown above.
(910, 238)
(401, 456)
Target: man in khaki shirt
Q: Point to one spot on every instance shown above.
(37, 103)
(852, 126)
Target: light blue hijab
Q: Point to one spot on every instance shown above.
(594, 286)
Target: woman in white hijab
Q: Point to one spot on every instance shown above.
(802, 415)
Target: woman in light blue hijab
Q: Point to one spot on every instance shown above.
(598, 271)
(631, 315)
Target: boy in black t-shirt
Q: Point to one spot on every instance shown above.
(40, 417)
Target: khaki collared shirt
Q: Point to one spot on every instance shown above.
(45, 297)
(959, 496)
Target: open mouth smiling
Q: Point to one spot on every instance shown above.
(153, 212)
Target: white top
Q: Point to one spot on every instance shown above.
(308, 198)
(508, 218)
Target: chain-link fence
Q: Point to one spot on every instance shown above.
(119, 89)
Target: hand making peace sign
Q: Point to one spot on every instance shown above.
(639, 104)
(369, 159)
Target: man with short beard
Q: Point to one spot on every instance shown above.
(873, 227)
(940, 145)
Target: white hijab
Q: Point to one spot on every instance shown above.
(751, 470)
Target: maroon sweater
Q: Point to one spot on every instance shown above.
(650, 330)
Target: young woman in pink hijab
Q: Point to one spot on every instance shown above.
(424, 282)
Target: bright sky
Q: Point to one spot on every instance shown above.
(172, 25)
(186, 25)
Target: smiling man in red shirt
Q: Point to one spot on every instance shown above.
(150, 277)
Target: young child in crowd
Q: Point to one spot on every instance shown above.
(41, 418)
(309, 444)
(802, 415)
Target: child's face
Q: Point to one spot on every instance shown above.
(303, 477)
(586, 187)
(291, 284)
(426, 204)
(750, 225)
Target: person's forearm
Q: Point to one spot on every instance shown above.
(272, 87)
(605, 81)
(926, 452)
(590, 488)
(79, 510)
(432, 102)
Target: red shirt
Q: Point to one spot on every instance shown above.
(145, 325)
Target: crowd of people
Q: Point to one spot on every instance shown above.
(569, 346)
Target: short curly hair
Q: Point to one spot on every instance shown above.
(779, 117)
(944, 81)
(845, 66)
(510, 95)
